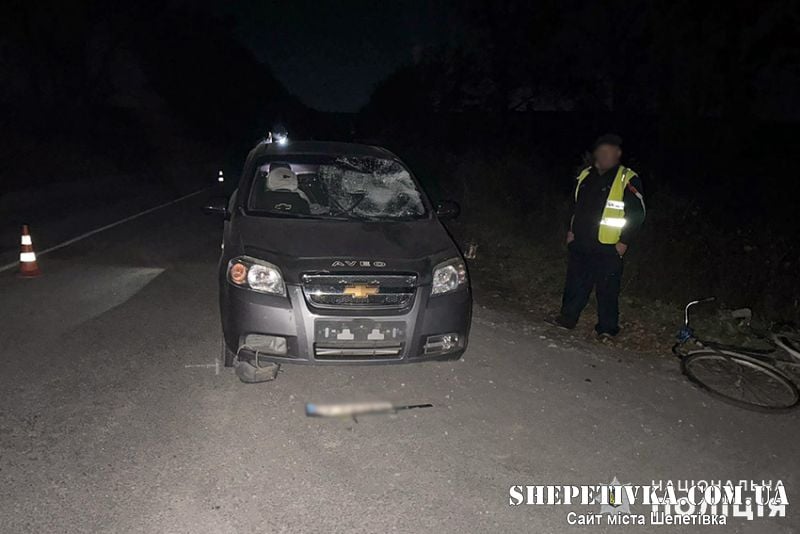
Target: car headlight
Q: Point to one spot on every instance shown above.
(448, 276)
(258, 275)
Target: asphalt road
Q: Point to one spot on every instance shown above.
(114, 419)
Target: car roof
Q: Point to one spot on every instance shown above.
(327, 148)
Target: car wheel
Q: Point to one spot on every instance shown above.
(450, 357)
(227, 356)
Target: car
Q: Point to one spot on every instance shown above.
(333, 254)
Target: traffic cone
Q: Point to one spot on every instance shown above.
(28, 267)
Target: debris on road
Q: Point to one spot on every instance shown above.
(354, 409)
(261, 372)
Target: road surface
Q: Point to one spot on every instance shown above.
(113, 417)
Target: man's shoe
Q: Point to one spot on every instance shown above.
(559, 322)
(605, 337)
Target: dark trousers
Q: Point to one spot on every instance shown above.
(599, 269)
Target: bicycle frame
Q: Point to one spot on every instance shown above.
(686, 333)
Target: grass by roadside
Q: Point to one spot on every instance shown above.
(515, 205)
(526, 278)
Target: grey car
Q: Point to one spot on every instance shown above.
(333, 254)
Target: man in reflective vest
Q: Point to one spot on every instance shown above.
(607, 214)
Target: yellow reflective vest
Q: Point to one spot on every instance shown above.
(613, 219)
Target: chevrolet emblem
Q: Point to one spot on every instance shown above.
(361, 291)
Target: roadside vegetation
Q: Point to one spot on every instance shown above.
(515, 207)
(499, 119)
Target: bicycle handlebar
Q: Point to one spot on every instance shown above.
(692, 303)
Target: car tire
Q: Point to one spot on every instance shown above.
(450, 357)
(227, 355)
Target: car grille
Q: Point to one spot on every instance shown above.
(361, 291)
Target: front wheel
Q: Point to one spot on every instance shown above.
(741, 380)
(226, 355)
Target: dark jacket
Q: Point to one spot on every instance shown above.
(587, 210)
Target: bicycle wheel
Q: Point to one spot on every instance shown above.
(741, 380)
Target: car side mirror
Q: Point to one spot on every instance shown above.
(447, 209)
(217, 206)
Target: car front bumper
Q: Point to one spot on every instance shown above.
(432, 328)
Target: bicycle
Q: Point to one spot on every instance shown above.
(746, 377)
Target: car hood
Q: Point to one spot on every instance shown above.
(300, 246)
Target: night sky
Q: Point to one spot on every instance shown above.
(331, 54)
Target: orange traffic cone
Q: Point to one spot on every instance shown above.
(27, 257)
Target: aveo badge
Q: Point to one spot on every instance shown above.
(358, 263)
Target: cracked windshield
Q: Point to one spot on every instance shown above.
(343, 188)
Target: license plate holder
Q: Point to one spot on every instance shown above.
(359, 330)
